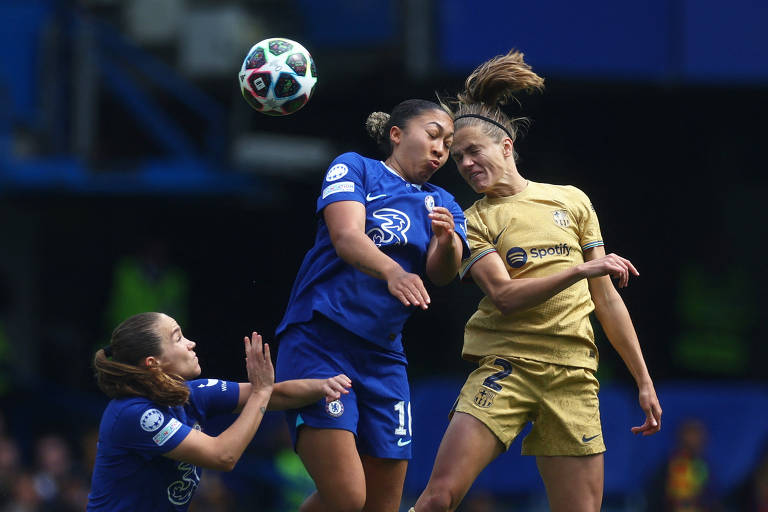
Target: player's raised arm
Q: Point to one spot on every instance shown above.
(223, 451)
(509, 295)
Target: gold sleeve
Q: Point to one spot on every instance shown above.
(478, 239)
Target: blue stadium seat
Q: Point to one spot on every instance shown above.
(21, 22)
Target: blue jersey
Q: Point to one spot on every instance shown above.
(131, 472)
(396, 219)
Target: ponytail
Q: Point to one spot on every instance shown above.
(488, 87)
(120, 369)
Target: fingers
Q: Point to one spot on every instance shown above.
(650, 427)
(343, 380)
(336, 386)
(410, 291)
(652, 421)
(442, 220)
(618, 268)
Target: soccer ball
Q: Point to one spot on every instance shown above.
(278, 76)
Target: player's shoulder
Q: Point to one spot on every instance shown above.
(476, 208)
(563, 192)
(350, 162)
(130, 413)
(132, 407)
(351, 157)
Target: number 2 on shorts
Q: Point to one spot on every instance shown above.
(506, 369)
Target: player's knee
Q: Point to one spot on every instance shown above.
(438, 498)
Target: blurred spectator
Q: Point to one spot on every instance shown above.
(57, 481)
(685, 482)
(148, 281)
(9, 468)
(24, 496)
(212, 495)
(752, 495)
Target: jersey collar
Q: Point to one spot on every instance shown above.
(396, 174)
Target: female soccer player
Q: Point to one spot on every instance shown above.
(152, 442)
(381, 227)
(537, 254)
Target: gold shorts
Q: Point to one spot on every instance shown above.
(561, 402)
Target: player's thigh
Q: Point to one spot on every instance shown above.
(574, 484)
(384, 480)
(331, 458)
(468, 446)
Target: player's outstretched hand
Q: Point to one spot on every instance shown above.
(408, 288)
(610, 265)
(442, 224)
(336, 386)
(258, 363)
(649, 402)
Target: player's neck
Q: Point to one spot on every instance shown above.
(394, 165)
(510, 185)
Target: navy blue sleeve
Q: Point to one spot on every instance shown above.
(149, 429)
(344, 181)
(213, 396)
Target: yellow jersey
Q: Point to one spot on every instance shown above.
(538, 232)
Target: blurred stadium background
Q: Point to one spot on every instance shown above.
(134, 177)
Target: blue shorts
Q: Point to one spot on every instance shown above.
(378, 407)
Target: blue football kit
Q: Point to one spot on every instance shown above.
(341, 320)
(131, 472)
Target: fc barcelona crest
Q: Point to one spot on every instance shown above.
(484, 398)
(561, 218)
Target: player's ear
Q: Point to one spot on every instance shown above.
(508, 147)
(151, 362)
(395, 134)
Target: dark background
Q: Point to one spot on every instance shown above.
(657, 111)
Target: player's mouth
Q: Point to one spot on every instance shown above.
(434, 164)
(474, 175)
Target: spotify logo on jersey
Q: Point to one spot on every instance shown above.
(516, 257)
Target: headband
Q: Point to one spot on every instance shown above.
(485, 119)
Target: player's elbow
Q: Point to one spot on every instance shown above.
(225, 462)
(503, 302)
(441, 278)
(342, 240)
(504, 308)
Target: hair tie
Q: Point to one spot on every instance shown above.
(108, 351)
(485, 119)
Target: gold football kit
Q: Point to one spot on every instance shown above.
(536, 364)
